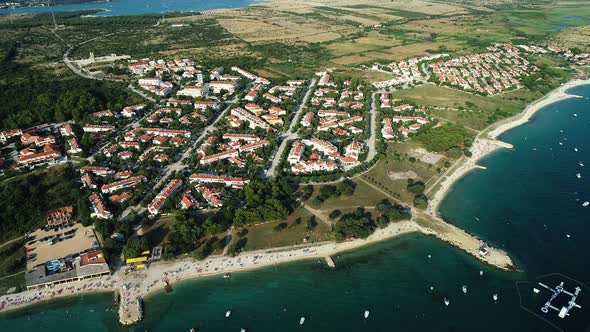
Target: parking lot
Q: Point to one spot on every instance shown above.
(66, 241)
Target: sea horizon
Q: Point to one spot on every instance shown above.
(135, 7)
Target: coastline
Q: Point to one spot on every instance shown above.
(487, 142)
(144, 283)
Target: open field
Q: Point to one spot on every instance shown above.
(391, 174)
(547, 18)
(264, 236)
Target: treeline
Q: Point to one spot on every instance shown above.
(27, 199)
(31, 97)
(264, 201)
(445, 137)
(361, 223)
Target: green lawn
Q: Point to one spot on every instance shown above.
(264, 236)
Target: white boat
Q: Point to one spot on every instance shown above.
(464, 289)
(431, 288)
(568, 236)
(366, 314)
(301, 320)
(579, 176)
(495, 297)
(227, 313)
(227, 275)
(242, 330)
(480, 272)
(576, 149)
(575, 114)
(447, 302)
(586, 203)
(560, 143)
(581, 164)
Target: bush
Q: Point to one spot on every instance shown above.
(420, 202)
(280, 227)
(416, 188)
(347, 187)
(454, 153)
(335, 214)
(311, 223)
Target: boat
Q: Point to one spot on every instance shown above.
(575, 114)
(568, 236)
(480, 272)
(431, 288)
(192, 329)
(366, 314)
(464, 289)
(579, 176)
(560, 143)
(227, 313)
(495, 297)
(581, 164)
(576, 149)
(586, 203)
(447, 302)
(301, 320)
(242, 330)
(227, 275)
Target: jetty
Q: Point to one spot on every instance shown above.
(130, 308)
(330, 262)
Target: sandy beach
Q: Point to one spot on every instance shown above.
(139, 284)
(486, 142)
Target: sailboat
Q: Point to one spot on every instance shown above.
(227, 313)
(579, 176)
(464, 289)
(366, 314)
(495, 297)
(301, 320)
(480, 272)
(447, 302)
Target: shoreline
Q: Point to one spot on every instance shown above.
(145, 283)
(487, 142)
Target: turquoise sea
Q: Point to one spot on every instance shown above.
(136, 7)
(526, 202)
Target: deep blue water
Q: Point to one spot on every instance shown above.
(526, 201)
(136, 7)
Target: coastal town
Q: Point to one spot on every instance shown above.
(173, 180)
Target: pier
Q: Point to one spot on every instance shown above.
(330, 262)
(130, 308)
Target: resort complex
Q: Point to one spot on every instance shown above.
(205, 143)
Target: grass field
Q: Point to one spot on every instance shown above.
(264, 236)
(364, 196)
(391, 175)
(540, 21)
(12, 260)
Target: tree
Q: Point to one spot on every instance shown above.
(354, 225)
(311, 223)
(335, 214)
(135, 246)
(347, 187)
(416, 188)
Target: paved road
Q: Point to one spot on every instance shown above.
(11, 241)
(290, 135)
(179, 164)
(373, 136)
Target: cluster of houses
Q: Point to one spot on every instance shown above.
(332, 130)
(581, 59)
(405, 71)
(488, 73)
(406, 120)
